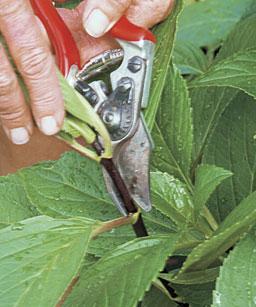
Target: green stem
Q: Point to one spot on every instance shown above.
(204, 228)
(74, 144)
(210, 219)
(186, 245)
(108, 226)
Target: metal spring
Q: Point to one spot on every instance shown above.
(101, 63)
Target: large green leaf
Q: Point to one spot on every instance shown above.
(237, 126)
(237, 71)
(236, 284)
(170, 196)
(208, 177)
(122, 276)
(39, 257)
(233, 147)
(208, 22)
(210, 102)
(72, 186)
(208, 105)
(165, 34)
(229, 232)
(173, 133)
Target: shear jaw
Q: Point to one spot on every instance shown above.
(121, 113)
(132, 160)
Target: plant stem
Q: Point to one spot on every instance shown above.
(186, 245)
(109, 165)
(210, 219)
(107, 226)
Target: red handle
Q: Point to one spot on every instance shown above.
(127, 31)
(65, 48)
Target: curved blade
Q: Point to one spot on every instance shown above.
(132, 160)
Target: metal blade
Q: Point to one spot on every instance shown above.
(132, 160)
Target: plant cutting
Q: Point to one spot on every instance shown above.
(62, 240)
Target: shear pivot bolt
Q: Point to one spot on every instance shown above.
(108, 117)
(135, 64)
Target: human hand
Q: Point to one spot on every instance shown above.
(30, 49)
(35, 63)
(101, 15)
(96, 17)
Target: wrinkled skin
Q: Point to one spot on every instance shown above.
(31, 50)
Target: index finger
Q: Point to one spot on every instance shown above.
(34, 61)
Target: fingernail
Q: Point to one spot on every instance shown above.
(19, 136)
(48, 125)
(97, 23)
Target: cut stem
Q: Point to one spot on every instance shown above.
(108, 226)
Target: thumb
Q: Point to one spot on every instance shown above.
(100, 15)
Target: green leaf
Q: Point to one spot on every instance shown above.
(233, 147)
(173, 133)
(241, 38)
(39, 257)
(210, 102)
(155, 298)
(229, 232)
(72, 186)
(122, 276)
(208, 177)
(237, 71)
(165, 34)
(207, 23)
(208, 105)
(171, 197)
(193, 278)
(189, 58)
(236, 284)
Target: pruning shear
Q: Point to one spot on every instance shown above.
(120, 106)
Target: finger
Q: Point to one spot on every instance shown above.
(43, 31)
(14, 113)
(146, 13)
(35, 63)
(101, 15)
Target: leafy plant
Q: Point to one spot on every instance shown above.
(60, 237)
